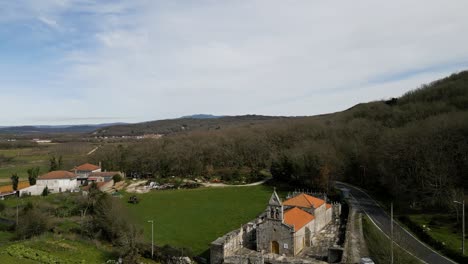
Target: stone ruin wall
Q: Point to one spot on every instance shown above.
(228, 244)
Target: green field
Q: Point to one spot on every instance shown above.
(379, 246)
(194, 218)
(19, 160)
(47, 249)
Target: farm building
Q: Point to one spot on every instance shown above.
(103, 175)
(55, 181)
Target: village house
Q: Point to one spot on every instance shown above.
(285, 229)
(55, 181)
(83, 171)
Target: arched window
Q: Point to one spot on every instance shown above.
(272, 212)
(277, 213)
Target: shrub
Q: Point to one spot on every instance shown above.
(117, 178)
(32, 222)
(45, 192)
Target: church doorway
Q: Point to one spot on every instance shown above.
(274, 247)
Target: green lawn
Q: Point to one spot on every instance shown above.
(194, 218)
(379, 246)
(442, 227)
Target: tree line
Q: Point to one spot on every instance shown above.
(413, 148)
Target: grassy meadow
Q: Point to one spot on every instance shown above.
(442, 227)
(19, 160)
(193, 218)
(53, 249)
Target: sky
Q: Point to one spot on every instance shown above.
(86, 62)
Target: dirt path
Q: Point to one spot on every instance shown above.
(137, 187)
(209, 184)
(92, 151)
(355, 246)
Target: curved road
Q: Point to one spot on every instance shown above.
(401, 237)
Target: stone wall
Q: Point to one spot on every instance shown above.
(320, 217)
(227, 245)
(336, 210)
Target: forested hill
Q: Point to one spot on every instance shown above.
(447, 95)
(184, 124)
(413, 148)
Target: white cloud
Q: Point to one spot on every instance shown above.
(155, 59)
(49, 22)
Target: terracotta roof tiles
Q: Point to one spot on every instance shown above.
(87, 167)
(297, 218)
(304, 201)
(57, 175)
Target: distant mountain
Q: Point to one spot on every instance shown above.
(47, 129)
(184, 124)
(202, 116)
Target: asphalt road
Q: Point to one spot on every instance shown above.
(402, 237)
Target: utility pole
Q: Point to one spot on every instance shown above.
(391, 232)
(152, 237)
(463, 224)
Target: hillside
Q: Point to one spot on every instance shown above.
(184, 124)
(412, 148)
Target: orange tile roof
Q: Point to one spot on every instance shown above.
(305, 201)
(297, 218)
(86, 167)
(328, 206)
(9, 188)
(57, 175)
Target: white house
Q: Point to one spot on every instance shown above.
(55, 181)
(84, 170)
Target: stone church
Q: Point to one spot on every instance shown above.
(284, 229)
(290, 225)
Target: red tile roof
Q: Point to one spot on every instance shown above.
(297, 218)
(104, 173)
(86, 167)
(328, 206)
(305, 201)
(57, 175)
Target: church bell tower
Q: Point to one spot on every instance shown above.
(275, 208)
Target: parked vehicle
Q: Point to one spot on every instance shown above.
(133, 199)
